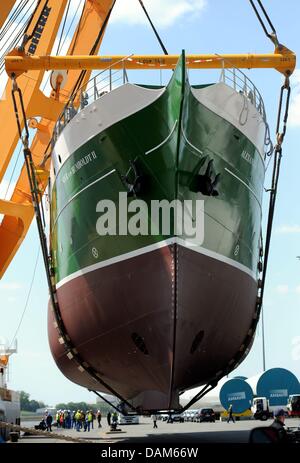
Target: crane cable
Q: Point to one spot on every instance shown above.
(61, 44)
(12, 18)
(26, 37)
(63, 28)
(63, 337)
(17, 37)
(153, 28)
(92, 51)
(280, 134)
(264, 250)
(24, 26)
(28, 297)
(271, 35)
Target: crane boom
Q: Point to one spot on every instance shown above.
(19, 211)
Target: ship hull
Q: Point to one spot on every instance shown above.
(184, 342)
(155, 314)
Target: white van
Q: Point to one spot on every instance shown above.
(128, 419)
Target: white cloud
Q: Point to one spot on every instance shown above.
(163, 13)
(294, 112)
(10, 286)
(33, 355)
(296, 348)
(284, 229)
(282, 289)
(298, 289)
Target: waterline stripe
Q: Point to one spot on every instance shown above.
(114, 260)
(164, 141)
(244, 183)
(79, 192)
(214, 255)
(153, 247)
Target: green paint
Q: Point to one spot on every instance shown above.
(232, 219)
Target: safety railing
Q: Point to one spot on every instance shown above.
(236, 79)
(110, 78)
(99, 85)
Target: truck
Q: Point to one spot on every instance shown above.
(261, 409)
(10, 408)
(293, 405)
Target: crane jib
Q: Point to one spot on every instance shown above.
(39, 30)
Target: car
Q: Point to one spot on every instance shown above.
(191, 414)
(206, 414)
(128, 419)
(175, 417)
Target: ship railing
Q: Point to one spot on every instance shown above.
(102, 83)
(236, 79)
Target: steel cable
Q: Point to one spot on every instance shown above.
(13, 17)
(27, 298)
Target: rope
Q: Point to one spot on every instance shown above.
(28, 297)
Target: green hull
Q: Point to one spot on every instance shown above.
(188, 136)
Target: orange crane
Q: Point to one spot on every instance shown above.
(43, 28)
(5, 10)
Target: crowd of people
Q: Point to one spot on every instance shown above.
(77, 419)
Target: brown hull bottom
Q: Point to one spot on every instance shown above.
(155, 324)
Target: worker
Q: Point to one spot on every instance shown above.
(278, 424)
(99, 416)
(108, 417)
(154, 419)
(230, 414)
(49, 420)
(114, 419)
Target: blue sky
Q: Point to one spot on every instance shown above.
(198, 26)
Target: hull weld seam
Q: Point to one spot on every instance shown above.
(245, 184)
(164, 141)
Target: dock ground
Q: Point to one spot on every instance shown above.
(180, 433)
